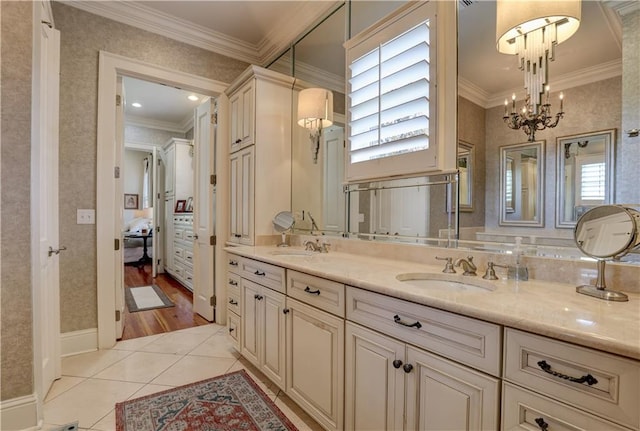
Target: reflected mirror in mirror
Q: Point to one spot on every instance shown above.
(521, 185)
(466, 153)
(584, 177)
(283, 64)
(282, 222)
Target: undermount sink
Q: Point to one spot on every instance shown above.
(445, 282)
(291, 253)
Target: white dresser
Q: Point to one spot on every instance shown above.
(181, 265)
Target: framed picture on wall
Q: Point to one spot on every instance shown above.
(188, 207)
(130, 201)
(180, 205)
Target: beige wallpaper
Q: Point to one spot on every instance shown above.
(83, 35)
(588, 108)
(16, 363)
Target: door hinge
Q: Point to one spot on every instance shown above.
(212, 240)
(117, 315)
(213, 180)
(212, 301)
(116, 244)
(118, 100)
(158, 229)
(214, 118)
(116, 172)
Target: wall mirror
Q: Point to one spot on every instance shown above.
(521, 184)
(466, 155)
(584, 176)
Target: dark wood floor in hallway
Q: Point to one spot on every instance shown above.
(161, 320)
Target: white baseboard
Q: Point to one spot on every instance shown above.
(19, 414)
(73, 343)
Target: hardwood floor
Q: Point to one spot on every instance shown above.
(161, 320)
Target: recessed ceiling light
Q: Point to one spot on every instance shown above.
(136, 105)
(194, 98)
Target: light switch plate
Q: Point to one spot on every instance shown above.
(86, 216)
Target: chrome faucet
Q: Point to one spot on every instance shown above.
(317, 246)
(467, 264)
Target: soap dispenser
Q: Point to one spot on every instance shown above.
(518, 271)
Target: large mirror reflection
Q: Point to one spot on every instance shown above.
(587, 69)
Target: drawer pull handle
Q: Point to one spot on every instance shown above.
(286, 311)
(258, 297)
(397, 364)
(588, 379)
(233, 263)
(231, 330)
(407, 368)
(232, 302)
(542, 424)
(260, 273)
(237, 141)
(233, 282)
(399, 321)
(313, 292)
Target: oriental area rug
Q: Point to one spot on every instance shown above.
(231, 402)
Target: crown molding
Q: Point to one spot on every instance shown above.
(320, 77)
(182, 127)
(623, 7)
(472, 92)
(145, 18)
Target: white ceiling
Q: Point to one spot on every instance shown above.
(263, 28)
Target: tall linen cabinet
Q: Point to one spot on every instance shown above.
(260, 153)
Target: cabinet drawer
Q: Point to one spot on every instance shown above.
(463, 339)
(233, 264)
(605, 384)
(267, 275)
(525, 410)
(233, 328)
(178, 251)
(324, 294)
(233, 284)
(188, 257)
(178, 234)
(188, 235)
(233, 302)
(187, 274)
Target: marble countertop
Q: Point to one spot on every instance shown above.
(542, 307)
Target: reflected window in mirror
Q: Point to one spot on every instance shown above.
(466, 155)
(521, 184)
(584, 174)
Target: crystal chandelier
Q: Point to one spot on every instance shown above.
(531, 30)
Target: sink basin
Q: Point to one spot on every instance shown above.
(445, 282)
(291, 253)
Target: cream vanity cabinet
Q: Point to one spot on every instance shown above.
(260, 149)
(549, 384)
(233, 301)
(262, 317)
(315, 347)
(394, 380)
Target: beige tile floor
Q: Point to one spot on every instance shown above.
(93, 382)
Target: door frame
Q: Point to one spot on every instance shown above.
(110, 67)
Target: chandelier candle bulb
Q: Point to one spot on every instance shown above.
(561, 101)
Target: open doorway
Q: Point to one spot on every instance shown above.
(157, 173)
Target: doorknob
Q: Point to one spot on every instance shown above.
(57, 251)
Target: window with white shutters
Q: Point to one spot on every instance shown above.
(391, 104)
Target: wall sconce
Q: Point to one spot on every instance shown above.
(531, 30)
(315, 112)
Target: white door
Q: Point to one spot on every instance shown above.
(118, 208)
(44, 199)
(157, 204)
(204, 212)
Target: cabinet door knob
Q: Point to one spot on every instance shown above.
(231, 329)
(407, 368)
(286, 311)
(542, 424)
(397, 363)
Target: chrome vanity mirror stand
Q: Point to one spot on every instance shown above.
(604, 232)
(282, 222)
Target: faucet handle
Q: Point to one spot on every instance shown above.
(491, 272)
(448, 268)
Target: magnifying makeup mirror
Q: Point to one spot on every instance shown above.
(282, 222)
(607, 232)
